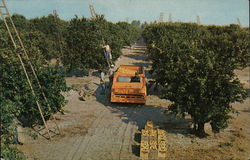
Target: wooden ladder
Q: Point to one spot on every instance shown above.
(17, 43)
(93, 17)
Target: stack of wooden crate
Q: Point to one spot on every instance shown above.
(153, 142)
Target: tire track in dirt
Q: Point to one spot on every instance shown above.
(96, 129)
(106, 126)
(74, 152)
(109, 143)
(123, 136)
(129, 152)
(127, 135)
(92, 131)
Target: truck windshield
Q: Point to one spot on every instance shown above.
(128, 79)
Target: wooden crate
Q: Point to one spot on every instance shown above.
(153, 142)
(162, 150)
(144, 150)
(149, 125)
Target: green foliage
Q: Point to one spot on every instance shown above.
(50, 25)
(232, 40)
(15, 88)
(52, 29)
(9, 111)
(20, 22)
(196, 64)
(129, 33)
(10, 153)
(83, 45)
(84, 38)
(76, 44)
(16, 100)
(136, 23)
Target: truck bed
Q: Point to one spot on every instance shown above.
(129, 85)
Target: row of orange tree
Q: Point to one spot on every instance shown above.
(195, 64)
(84, 37)
(76, 44)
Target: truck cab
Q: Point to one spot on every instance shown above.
(129, 85)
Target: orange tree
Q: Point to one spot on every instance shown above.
(80, 42)
(16, 100)
(195, 65)
(14, 85)
(84, 38)
(52, 29)
(129, 32)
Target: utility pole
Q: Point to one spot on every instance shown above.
(127, 20)
(161, 17)
(55, 13)
(238, 21)
(170, 17)
(198, 20)
(92, 11)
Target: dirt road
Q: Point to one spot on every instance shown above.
(96, 130)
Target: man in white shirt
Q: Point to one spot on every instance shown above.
(111, 74)
(102, 81)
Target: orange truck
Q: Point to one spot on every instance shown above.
(129, 85)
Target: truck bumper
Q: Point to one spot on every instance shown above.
(128, 99)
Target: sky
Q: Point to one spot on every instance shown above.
(219, 12)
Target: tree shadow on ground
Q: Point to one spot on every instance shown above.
(138, 48)
(103, 96)
(95, 74)
(141, 64)
(138, 57)
(246, 110)
(139, 114)
(248, 92)
(137, 137)
(136, 150)
(76, 73)
(139, 52)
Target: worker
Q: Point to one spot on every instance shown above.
(107, 51)
(111, 74)
(136, 78)
(132, 46)
(82, 94)
(102, 81)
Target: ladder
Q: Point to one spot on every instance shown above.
(94, 16)
(59, 35)
(17, 43)
(92, 11)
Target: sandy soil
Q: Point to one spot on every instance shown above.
(97, 130)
